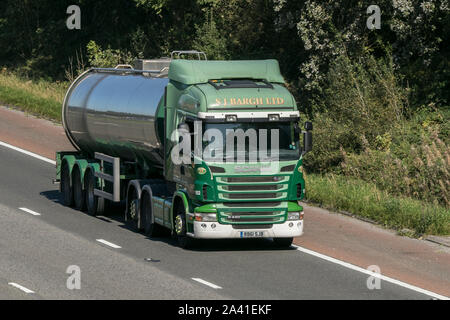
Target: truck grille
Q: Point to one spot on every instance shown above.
(247, 217)
(264, 188)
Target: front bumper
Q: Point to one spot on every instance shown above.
(205, 230)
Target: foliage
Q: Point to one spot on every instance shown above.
(107, 58)
(362, 99)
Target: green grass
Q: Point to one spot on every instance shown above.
(41, 98)
(337, 192)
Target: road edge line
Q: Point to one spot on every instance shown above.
(370, 273)
(29, 153)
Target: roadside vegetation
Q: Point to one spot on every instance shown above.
(406, 215)
(38, 97)
(378, 99)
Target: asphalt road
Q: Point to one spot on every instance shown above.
(36, 250)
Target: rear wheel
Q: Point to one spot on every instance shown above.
(184, 241)
(132, 215)
(78, 192)
(151, 229)
(283, 242)
(66, 189)
(95, 205)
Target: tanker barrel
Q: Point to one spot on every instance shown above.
(117, 112)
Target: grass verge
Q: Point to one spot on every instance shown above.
(41, 98)
(338, 192)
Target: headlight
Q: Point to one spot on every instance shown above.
(206, 217)
(295, 216)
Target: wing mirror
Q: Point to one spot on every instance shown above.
(307, 137)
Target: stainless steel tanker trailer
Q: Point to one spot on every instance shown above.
(123, 123)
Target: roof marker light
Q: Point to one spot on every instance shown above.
(274, 117)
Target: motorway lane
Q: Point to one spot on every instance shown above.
(36, 250)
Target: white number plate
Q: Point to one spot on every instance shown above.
(252, 234)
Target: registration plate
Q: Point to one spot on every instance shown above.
(252, 234)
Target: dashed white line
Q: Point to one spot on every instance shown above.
(31, 154)
(209, 284)
(18, 286)
(370, 273)
(30, 211)
(112, 245)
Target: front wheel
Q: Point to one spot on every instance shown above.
(283, 242)
(184, 241)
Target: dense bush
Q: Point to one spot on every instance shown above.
(362, 100)
(367, 133)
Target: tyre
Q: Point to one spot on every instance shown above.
(283, 242)
(95, 205)
(79, 197)
(132, 214)
(150, 229)
(184, 241)
(66, 189)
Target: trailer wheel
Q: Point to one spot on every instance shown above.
(283, 242)
(151, 229)
(184, 241)
(66, 189)
(78, 192)
(94, 204)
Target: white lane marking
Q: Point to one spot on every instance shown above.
(209, 284)
(30, 211)
(362, 270)
(31, 154)
(112, 245)
(18, 286)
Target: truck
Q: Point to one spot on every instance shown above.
(126, 125)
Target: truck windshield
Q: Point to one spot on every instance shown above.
(255, 141)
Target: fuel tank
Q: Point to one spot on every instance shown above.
(119, 112)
